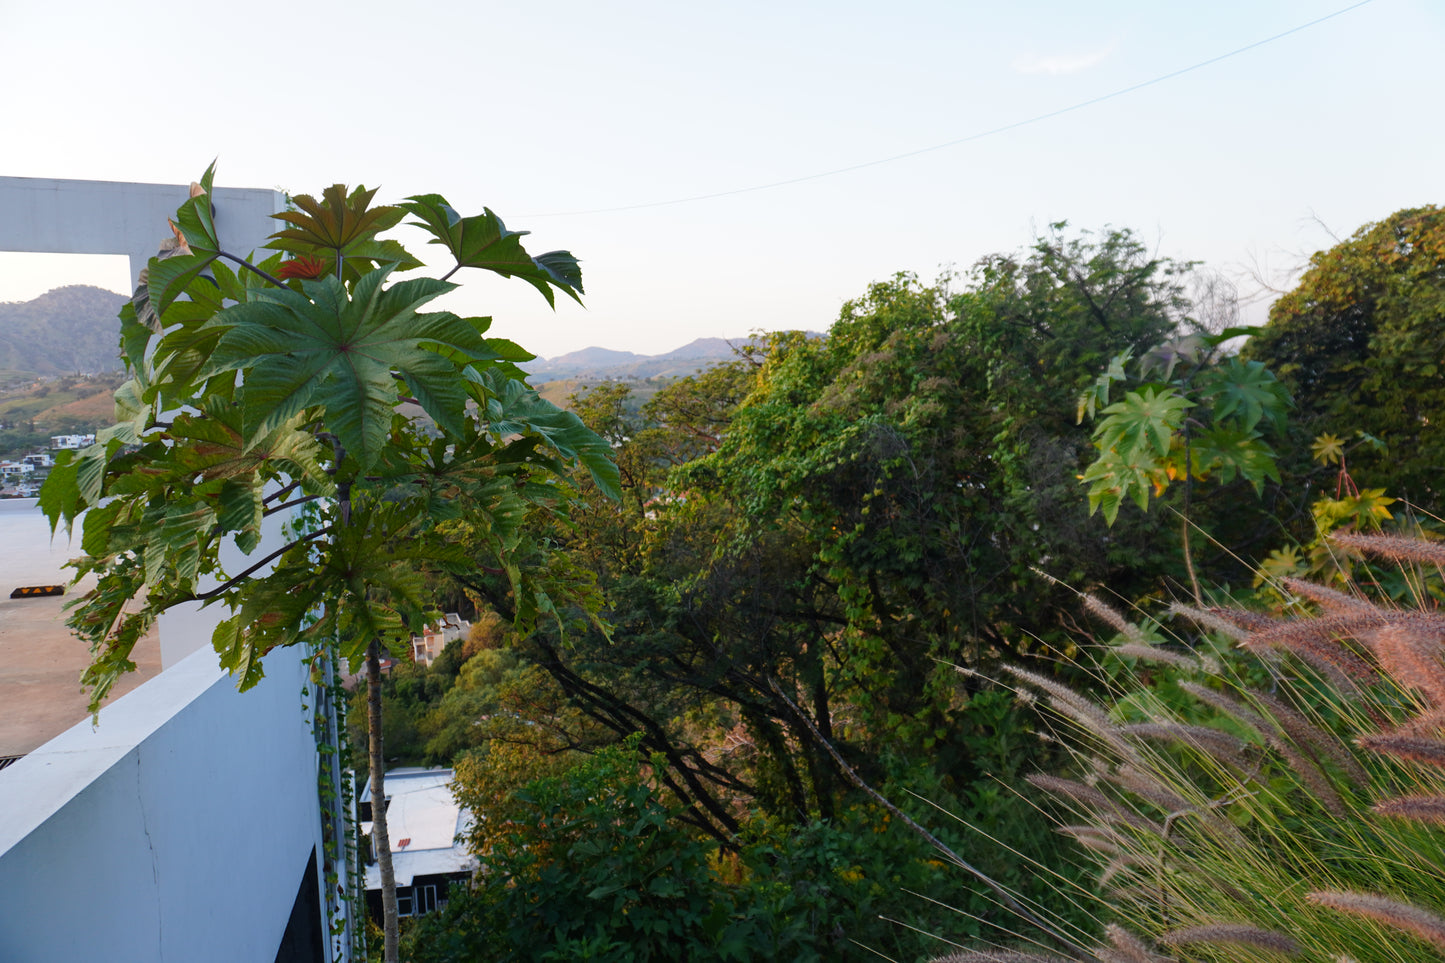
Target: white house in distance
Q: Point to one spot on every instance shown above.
(427, 646)
(72, 442)
(423, 820)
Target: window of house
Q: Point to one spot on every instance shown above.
(426, 899)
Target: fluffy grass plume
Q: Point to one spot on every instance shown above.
(1276, 799)
(1393, 913)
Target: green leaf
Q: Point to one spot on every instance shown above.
(1098, 393)
(1231, 451)
(196, 221)
(509, 350)
(1142, 426)
(324, 347)
(238, 654)
(1245, 392)
(515, 408)
(238, 506)
(483, 241)
(60, 497)
(168, 278)
(1229, 334)
(1112, 479)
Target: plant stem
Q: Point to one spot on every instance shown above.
(231, 583)
(1189, 555)
(251, 267)
(291, 504)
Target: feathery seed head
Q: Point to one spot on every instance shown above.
(998, 956)
(1127, 948)
(1411, 654)
(1394, 547)
(1420, 749)
(1402, 916)
(1327, 598)
(1115, 621)
(1243, 934)
(1212, 619)
(1425, 809)
(1152, 653)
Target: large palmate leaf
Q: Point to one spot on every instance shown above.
(343, 353)
(1112, 479)
(1142, 426)
(1229, 451)
(514, 408)
(342, 226)
(483, 241)
(1245, 391)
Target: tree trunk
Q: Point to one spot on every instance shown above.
(380, 838)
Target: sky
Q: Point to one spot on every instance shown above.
(597, 126)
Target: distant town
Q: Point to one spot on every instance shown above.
(22, 478)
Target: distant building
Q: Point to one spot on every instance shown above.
(58, 442)
(423, 820)
(427, 646)
(40, 459)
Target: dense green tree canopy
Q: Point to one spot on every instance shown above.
(1360, 343)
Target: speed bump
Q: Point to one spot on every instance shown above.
(35, 591)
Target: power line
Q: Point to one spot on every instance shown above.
(1039, 118)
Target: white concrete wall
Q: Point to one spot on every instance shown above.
(48, 216)
(178, 830)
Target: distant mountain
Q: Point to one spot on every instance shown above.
(598, 363)
(594, 357)
(67, 330)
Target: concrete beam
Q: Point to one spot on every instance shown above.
(48, 216)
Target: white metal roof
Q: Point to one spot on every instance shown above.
(426, 817)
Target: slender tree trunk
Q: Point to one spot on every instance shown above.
(380, 838)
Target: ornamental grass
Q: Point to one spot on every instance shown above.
(1263, 789)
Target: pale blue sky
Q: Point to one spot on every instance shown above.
(544, 110)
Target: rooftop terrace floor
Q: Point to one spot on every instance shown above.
(40, 661)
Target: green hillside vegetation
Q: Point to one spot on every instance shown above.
(1019, 619)
(72, 404)
(68, 330)
(809, 547)
(639, 390)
